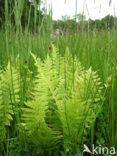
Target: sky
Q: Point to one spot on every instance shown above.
(94, 9)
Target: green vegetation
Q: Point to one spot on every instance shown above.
(57, 92)
(79, 23)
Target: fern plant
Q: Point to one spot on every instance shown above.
(13, 94)
(67, 101)
(60, 101)
(46, 129)
(8, 98)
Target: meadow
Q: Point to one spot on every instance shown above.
(57, 93)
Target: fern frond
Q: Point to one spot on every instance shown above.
(80, 109)
(9, 98)
(6, 111)
(66, 100)
(42, 111)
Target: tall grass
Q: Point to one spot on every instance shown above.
(93, 49)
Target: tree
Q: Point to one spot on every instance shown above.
(2, 17)
(109, 20)
(23, 11)
(65, 18)
(79, 17)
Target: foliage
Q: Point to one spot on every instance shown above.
(53, 101)
(79, 23)
(8, 99)
(53, 111)
(22, 11)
